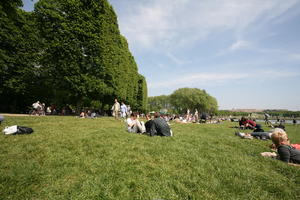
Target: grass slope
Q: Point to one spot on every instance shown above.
(72, 158)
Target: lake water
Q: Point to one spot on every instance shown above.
(274, 121)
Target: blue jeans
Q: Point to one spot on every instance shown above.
(261, 135)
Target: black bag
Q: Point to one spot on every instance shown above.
(24, 130)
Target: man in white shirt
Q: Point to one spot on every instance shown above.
(134, 125)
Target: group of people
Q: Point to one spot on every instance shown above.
(38, 108)
(88, 114)
(120, 110)
(245, 123)
(154, 126)
(286, 152)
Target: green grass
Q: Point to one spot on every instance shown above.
(72, 158)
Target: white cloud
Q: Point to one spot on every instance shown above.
(294, 56)
(200, 78)
(170, 23)
(208, 79)
(175, 59)
(239, 45)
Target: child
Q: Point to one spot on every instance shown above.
(286, 152)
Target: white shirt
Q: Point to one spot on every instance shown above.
(130, 122)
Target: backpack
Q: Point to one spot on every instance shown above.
(13, 130)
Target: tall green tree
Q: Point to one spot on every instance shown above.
(157, 103)
(142, 96)
(66, 52)
(84, 56)
(19, 44)
(193, 98)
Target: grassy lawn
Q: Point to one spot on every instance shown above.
(72, 158)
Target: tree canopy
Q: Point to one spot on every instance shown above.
(67, 52)
(183, 99)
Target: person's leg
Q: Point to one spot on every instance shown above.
(134, 129)
(261, 135)
(256, 134)
(140, 126)
(116, 114)
(143, 127)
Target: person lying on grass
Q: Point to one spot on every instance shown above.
(285, 151)
(258, 133)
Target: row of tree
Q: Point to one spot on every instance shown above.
(183, 99)
(282, 113)
(66, 52)
(272, 113)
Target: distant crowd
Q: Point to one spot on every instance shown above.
(157, 124)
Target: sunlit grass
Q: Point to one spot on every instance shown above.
(72, 158)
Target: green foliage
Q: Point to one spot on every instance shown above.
(67, 52)
(142, 95)
(73, 158)
(18, 56)
(158, 103)
(272, 113)
(10, 7)
(283, 113)
(232, 113)
(183, 99)
(193, 98)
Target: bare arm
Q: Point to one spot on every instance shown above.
(293, 164)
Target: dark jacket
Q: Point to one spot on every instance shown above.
(159, 127)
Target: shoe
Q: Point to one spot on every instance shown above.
(240, 134)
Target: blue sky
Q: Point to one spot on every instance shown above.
(244, 53)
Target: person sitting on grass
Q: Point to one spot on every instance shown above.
(149, 123)
(134, 125)
(82, 114)
(159, 127)
(247, 123)
(203, 118)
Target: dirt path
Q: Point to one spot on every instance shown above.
(14, 115)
